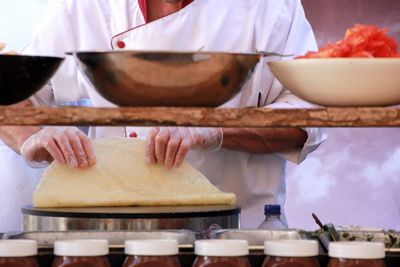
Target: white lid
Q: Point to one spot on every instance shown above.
(357, 250)
(81, 248)
(151, 247)
(291, 248)
(222, 248)
(18, 248)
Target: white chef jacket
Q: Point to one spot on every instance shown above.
(214, 25)
(17, 182)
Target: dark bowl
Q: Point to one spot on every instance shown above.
(23, 76)
(138, 78)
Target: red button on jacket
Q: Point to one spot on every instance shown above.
(121, 44)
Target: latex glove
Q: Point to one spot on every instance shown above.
(169, 146)
(2, 46)
(66, 145)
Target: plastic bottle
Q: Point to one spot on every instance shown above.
(273, 219)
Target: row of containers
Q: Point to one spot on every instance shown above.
(209, 253)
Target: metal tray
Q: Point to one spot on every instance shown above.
(256, 238)
(390, 238)
(116, 239)
(186, 238)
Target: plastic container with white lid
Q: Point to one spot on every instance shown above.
(357, 250)
(152, 247)
(232, 253)
(291, 248)
(291, 253)
(222, 248)
(17, 253)
(18, 248)
(81, 248)
(146, 253)
(81, 253)
(350, 254)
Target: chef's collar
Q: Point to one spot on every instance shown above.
(143, 7)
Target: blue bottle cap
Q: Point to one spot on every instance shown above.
(272, 210)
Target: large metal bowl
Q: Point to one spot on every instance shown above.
(138, 78)
(23, 76)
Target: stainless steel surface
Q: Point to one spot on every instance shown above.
(36, 223)
(139, 78)
(201, 219)
(23, 76)
(116, 238)
(256, 238)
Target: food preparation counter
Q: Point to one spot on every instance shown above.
(187, 258)
(186, 240)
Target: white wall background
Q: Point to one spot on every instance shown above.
(17, 19)
(352, 179)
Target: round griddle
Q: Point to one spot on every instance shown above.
(135, 212)
(196, 218)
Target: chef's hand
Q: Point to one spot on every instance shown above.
(2, 46)
(168, 146)
(66, 145)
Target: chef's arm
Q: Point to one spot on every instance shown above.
(15, 136)
(168, 146)
(67, 145)
(263, 140)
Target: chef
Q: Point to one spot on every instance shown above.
(249, 162)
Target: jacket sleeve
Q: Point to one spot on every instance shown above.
(292, 35)
(53, 37)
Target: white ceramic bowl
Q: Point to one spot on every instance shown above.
(342, 81)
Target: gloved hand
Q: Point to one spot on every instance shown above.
(169, 146)
(2, 46)
(67, 145)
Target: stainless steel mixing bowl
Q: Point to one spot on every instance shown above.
(23, 76)
(138, 78)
